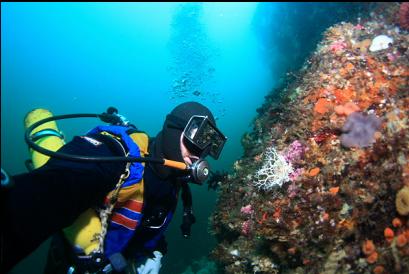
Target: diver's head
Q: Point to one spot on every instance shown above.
(189, 133)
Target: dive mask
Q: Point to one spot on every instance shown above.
(203, 137)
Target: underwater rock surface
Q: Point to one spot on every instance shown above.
(341, 209)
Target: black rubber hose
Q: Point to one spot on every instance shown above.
(81, 158)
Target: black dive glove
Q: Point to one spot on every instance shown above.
(188, 220)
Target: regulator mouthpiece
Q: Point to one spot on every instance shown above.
(200, 171)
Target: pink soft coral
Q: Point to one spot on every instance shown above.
(294, 152)
(247, 209)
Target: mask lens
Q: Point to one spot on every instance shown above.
(209, 137)
(192, 128)
(204, 135)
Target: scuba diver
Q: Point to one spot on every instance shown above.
(107, 196)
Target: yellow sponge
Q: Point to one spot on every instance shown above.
(402, 201)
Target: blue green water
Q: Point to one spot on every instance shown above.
(144, 59)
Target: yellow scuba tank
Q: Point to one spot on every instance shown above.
(47, 134)
(82, 231)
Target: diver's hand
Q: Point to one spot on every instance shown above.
(152, 265)
(188, 220)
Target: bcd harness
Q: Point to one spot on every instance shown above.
(121, 212)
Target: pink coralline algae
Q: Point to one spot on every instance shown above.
(359, 27)
(337, 46)
(294, 175)
(391, 57)
(245, 228)
(292, 190)
(294, 152)
(247, 209)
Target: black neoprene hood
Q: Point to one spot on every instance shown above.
(172, 131)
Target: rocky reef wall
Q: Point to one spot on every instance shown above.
(340, 134)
